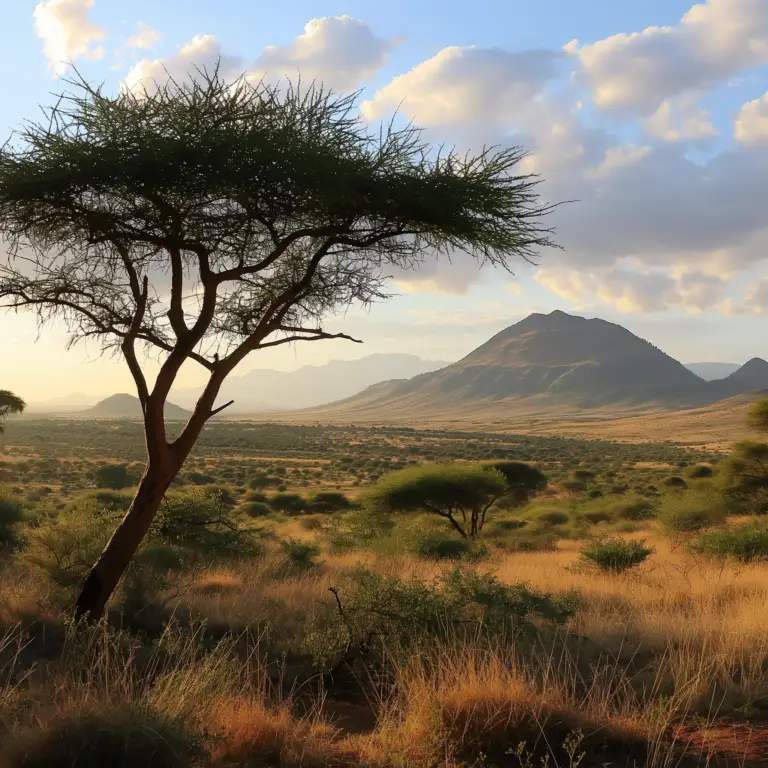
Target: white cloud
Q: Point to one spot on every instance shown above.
(714, 41)
(338, 51)
(753, 302)
(460, 85)
(633, 291)
(680, 120)
(451, 277)
(202, 52)
(146, 37)
(751, 124)
(67, 32)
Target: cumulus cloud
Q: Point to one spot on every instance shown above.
(680, 120)
(714, 40)
(146, 37)
(633, 291)
(446, 276)
(202, 52)
(463, 84)
(751, 124)
(337, 51)
(67, 32)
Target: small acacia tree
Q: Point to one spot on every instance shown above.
(461, 493)
(204, 220)
(9, 403)
(757, 416)
(523, 480)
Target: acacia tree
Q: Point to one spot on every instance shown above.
(9, 403)
(204, 220)
(460, 493)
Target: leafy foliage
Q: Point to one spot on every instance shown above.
(757, 416)
(691, 512)
(615, 555)
(9, 403)
(460, 493)
(114, 476)
(747, 543)
(374, 613)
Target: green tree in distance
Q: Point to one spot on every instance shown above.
(9, 403)
(203, 220)
(461, 493)
(757, 416)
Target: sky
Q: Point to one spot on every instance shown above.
(650, 115)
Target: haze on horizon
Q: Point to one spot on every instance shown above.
(668, 162)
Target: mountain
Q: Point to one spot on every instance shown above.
(124, 406)
(752, 375)
(263, 390)
(712, 371)
(551, 361)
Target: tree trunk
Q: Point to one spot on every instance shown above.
(109, 568)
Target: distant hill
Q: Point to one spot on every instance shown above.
(712, 371)
(123, 406)
(555, 361)
(77, 401)
(263, 390)
(752, 375)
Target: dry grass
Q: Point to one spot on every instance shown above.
(677, 639)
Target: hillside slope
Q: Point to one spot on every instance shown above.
(548, 364)
(124, 406)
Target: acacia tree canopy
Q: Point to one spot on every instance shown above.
(9, 403)
(204, 220)
(461, 493)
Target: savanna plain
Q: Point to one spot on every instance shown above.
(317, 595)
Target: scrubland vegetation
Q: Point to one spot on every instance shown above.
(303, 599)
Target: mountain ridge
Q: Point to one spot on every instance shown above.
(560, 360)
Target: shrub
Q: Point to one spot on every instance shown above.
(435, 545)
(551, 516)
(386, 612)
(596, 516)
(255, 509)
(288, 503)
(674, 482)
(256, 496)
(691, 512)
(747, 543)
(523, 481)
(66, 548)
(100, 503)
(113, 476)
(573, 486)
(331, 499)
(510, 525)
(615, 555)
(300, 553)
(699, 472)
(11, 514)
(118, 737)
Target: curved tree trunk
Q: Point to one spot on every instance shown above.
(109, 568)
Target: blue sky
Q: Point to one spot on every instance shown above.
(656, 121)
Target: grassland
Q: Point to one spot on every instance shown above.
(226, 648)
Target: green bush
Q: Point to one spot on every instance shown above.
(747, 543)
(615, 555)
(300, 554)
(691, 512)
(381, 613)
(65, 548)
(11, 515)
(332, 499)
(100, 503)
(674, 482)
(551, 516)
(435, 545)
(113, 476)
(699, 472)
(288, 503)
(255, 509)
